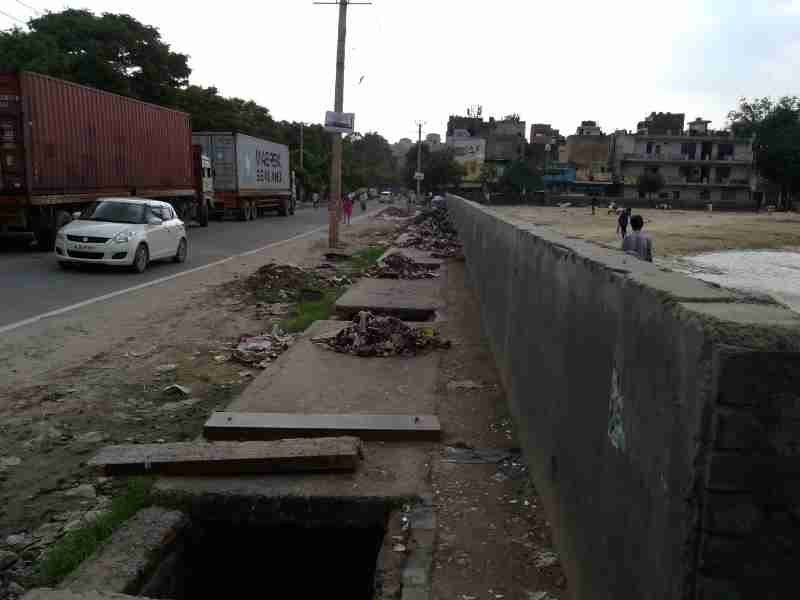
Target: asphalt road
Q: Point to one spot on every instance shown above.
(32, 283)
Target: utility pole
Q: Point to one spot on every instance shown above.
(301, 144)
(419, 163)
(335, 203)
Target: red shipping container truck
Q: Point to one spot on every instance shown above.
(63, 145)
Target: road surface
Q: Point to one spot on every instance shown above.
(32, 283)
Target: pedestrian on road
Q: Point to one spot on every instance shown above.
(636, 243)
(594, 203)
(622, 223)
(315, 198)
(347, 207)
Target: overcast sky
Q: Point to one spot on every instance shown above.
(553, 62)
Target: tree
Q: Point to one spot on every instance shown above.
(111, 52)
(775, 127)
(650, 183)
(373, 163)
(440, 168)
(520, 177)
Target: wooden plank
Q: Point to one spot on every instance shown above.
(231, 458)
(272, 426)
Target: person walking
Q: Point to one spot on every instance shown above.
(594, 203)
(622, 223)
(636, 243)
(347, 208)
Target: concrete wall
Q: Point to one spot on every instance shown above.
(659, 432)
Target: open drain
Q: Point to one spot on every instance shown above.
(228, 560)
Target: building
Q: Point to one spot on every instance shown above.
(543, 133)
(400, 150)
(699, 166)
(469, 151)
(434, 142)
(476, 142)
(588, 152)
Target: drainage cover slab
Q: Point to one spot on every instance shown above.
(415, 300)
(270, 426)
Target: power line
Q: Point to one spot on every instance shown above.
(5, 14)
(29, 7)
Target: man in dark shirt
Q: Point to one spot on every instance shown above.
(622, 223)
(636, 243)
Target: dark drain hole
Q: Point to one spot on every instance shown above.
(225, 560)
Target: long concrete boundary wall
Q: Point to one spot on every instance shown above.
(660, 415)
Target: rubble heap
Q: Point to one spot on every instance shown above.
(399, 266)
(394, 212)
(371, 335)
(433, 231)
(281, 283)
(260, 350)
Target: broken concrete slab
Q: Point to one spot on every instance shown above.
(231, 458)
(276, 426)
(416, 300)
(311, 379)
(127, 561)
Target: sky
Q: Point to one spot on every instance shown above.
(422, 60)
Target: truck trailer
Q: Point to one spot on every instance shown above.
(63, 145)
(251, 175)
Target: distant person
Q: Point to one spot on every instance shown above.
(347, 208)
(594, 203)
(636, 243)
(315, 199)
(622, 223)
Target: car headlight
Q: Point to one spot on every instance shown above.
(123, 237)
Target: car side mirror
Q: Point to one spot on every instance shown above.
(76, 215)
(154, 221)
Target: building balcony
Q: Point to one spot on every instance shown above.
(684, 158)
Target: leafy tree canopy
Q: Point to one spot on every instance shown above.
(440, 168)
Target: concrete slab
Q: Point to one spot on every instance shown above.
(129, 558)
(231, 458)
(388, 471)
(311, 379)
(412, 300)
(284, 426)
(684, 288)
(421, 256)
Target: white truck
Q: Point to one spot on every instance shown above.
(251, 176)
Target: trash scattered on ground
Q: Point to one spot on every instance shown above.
(180, 405)
(394, 212)
(166, 368)
(276, 284)
(455, 386)
(337, 257)
(260, 350)
(177, 389)
(369, 335)
(540, 596)
(7, 462)
(220, 358)
(432, 230)
(399, 548)
(399, 266)
(141, 353)
(91, 437)
(544, 559)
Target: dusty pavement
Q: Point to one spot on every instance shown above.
(99, 375)
(674, 232)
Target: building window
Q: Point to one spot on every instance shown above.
(649, 148)
(729, 195)
(724, 151)
(705, 195)
(676, 195)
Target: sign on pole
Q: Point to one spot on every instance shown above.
(419, 176)
(339, 122)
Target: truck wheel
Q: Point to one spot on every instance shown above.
(292, 207)
(284, 209)
(203, 218)
(244, 213)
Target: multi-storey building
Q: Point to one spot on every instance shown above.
(698, 166)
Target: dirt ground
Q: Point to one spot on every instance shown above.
(674, 232)
(99, 376)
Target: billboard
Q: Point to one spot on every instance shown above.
(470, 153)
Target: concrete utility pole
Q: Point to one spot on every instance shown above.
(302, 126)
(335, 203)
(419, 163)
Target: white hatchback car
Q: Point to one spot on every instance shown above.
(123, 231)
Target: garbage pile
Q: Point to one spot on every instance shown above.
(394, 212)
(371, 335)
(433, 231)
(260, 350)
(399, 266)
(276, 283)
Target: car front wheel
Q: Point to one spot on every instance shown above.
(181, 252)
(141, 258)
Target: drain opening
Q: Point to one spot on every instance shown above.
(222, 559)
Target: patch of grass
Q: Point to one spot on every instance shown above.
(366, 257)
(75, 547)
(310, 311)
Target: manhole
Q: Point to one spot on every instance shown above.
(225, 560)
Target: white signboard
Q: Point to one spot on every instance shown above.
(339, 122)
(419, 176)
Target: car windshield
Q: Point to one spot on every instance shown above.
(114, 212)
